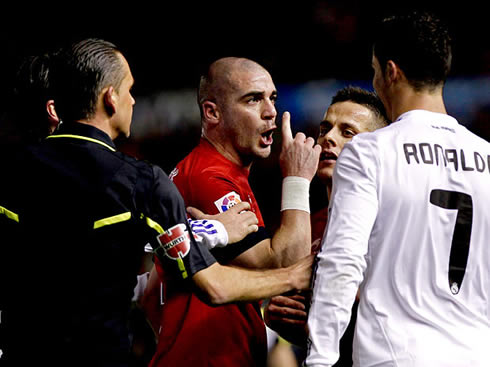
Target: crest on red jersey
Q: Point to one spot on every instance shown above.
(175, 241)
(226, 202)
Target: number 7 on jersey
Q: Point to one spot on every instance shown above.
(460, 245)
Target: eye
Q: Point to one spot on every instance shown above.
(349, 133)
(254, 98)
(324, 129)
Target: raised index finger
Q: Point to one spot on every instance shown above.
(287, 134)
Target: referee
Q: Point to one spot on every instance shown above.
(84, 213)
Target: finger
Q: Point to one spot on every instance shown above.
(301, 137)
(285, 312)
(196, 213)
(251, 228)
(310, 141)
(298, 297)
(287, 302)
(287, 135)
(249, 218)
(288, 321)
(241, 206)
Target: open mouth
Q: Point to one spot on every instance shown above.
(327, 156)
(267, 136)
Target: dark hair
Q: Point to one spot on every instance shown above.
(365, 98)
(419, 43)
(26, 116)
(80, 72)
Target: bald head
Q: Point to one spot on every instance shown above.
(221, 77)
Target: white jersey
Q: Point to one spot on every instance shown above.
(409, 223)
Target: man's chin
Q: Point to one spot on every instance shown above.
(263, 152)
(324, 174)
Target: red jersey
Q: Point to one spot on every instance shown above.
(318, 223)
(192, 332)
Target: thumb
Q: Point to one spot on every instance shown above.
(287, 134)
(196, 213)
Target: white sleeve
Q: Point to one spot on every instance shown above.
(210, 233)
(342, 260)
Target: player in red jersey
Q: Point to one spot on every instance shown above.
(237, 102)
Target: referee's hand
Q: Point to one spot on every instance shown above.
(238, 221)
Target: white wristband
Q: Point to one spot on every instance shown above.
(295, 193)
(211, 233)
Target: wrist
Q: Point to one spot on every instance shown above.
(292, 279)
(211, 233)
(295, 194)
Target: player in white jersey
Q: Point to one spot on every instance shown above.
(409, 221)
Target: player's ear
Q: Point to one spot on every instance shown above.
(53, 118)
(210, 112)
(392, 71)
(110, 100)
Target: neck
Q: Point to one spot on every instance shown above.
(227, 151)
(101, 124)
(408, 99)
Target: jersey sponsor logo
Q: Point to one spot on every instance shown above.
(226, 202)
(175, 241)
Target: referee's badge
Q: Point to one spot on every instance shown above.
(226, 202)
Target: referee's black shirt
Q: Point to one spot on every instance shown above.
(80, 213)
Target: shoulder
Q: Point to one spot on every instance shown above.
(144, 169)
(204, 167)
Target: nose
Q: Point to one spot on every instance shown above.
(269, 112)
(328, 139)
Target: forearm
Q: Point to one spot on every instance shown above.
(223, 284)
(292, 240)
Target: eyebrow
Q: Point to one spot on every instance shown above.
(258, 93)
(342, 124)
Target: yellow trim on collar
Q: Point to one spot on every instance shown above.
(82, 138)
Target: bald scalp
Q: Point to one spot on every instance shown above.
(219, 80)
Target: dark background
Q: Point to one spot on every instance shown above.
(168, 44)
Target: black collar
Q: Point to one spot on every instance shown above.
(86, 132)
